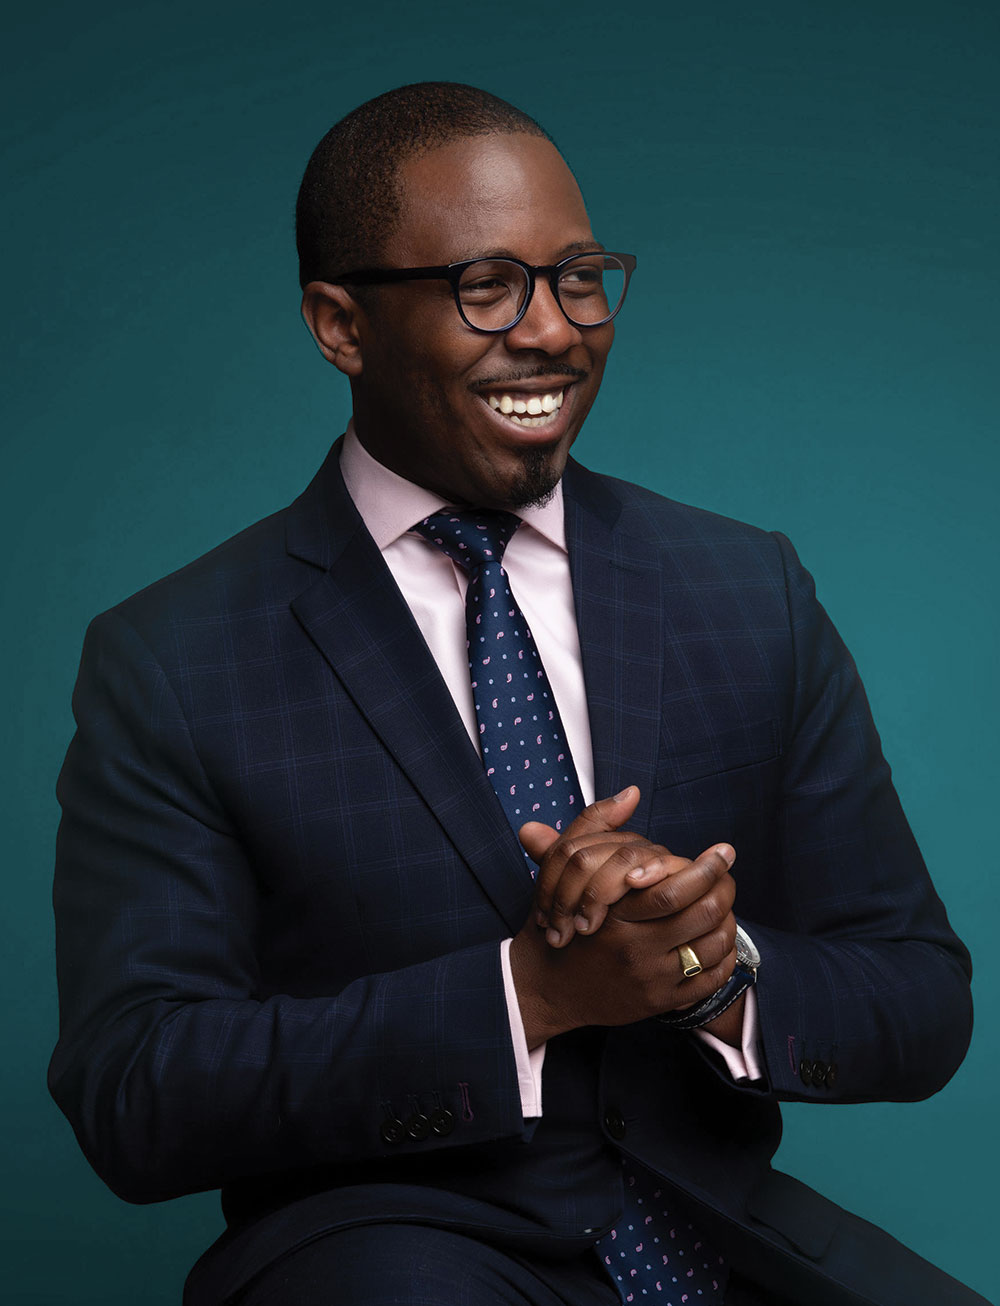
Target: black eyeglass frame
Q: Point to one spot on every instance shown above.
(452, 272)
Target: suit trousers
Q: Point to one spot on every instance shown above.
(419, 1265)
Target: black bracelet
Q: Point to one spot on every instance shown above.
(714, 1005)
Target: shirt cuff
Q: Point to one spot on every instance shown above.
(528, 1064)
(743, 1062)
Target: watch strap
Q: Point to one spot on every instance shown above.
(715, 1004)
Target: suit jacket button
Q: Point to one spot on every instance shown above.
(392, 1130)
(418, 1126)
(442, 1122)
(614, 1123)
(831, 1074)
(819, 1073)
(806, 1072)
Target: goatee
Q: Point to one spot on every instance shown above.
(536, 484)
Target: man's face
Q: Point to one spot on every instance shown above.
(422, 397)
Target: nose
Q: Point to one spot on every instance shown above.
(544, 327)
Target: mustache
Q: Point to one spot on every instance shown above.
(530, 374)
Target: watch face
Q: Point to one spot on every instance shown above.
(746, 952)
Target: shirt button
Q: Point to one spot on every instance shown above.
(614, 1123)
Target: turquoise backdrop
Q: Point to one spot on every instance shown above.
(812, 193)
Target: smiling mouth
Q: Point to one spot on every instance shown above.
(528, 409)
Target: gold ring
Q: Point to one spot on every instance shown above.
(689, 961)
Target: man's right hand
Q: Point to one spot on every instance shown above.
(629, 969)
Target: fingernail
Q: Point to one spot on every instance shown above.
(541, 919)
(553, 937)
(727, 854)
(581, 923)
(620, 798)
(641, 872)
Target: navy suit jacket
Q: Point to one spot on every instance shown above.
(283, 875)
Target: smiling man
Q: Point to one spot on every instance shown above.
(397, 880)
(480, 405)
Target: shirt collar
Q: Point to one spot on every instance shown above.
(389, 505)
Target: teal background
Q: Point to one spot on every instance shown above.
(812, 194)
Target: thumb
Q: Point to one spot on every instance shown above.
(607, 813)
(537, 838)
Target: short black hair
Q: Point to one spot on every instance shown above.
(349, 199)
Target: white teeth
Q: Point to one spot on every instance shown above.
(526, 411)
(545, 420)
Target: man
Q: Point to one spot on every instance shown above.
(303, 956)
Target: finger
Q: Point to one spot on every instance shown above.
(592, 875)
(675, 893)
(656, 869)
(605, 887)
(713, 947)
(581, 852)
(692, 991)
(604, 815)
(710, 934)
(617, 876)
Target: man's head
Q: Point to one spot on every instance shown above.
(480, 181)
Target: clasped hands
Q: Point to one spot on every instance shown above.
(611, 910)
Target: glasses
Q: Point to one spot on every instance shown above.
(493, 294)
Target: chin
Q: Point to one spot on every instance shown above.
(535, 484)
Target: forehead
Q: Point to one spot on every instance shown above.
(509, 194)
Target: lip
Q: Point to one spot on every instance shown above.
(529, 435)
(537, 385)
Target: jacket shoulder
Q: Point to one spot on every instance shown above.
(656, 518)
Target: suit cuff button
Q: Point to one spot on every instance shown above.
(418, 1126)
(392, 1130)
(442, 1122)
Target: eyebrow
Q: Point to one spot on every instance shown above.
(583, 246)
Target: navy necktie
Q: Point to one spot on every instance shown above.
(650, 1253)
(520, 733)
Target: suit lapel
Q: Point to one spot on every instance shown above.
(621, 627)
(359, 621)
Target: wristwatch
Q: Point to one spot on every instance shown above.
(744, 974)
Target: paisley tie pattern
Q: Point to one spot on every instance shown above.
(651, 1253)
(520, 733)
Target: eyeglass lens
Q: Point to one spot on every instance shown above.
(589, 288)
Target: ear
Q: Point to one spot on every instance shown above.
(334, 318)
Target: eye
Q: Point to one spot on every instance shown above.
(582, 279)
(484, 287)
(489, 281)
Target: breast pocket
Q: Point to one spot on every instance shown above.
(720, 785)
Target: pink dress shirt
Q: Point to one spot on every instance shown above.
(537, 562)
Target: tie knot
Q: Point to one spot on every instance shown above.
(471, 537)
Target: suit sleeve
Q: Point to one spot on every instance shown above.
(176, 1074)
(860, 968)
